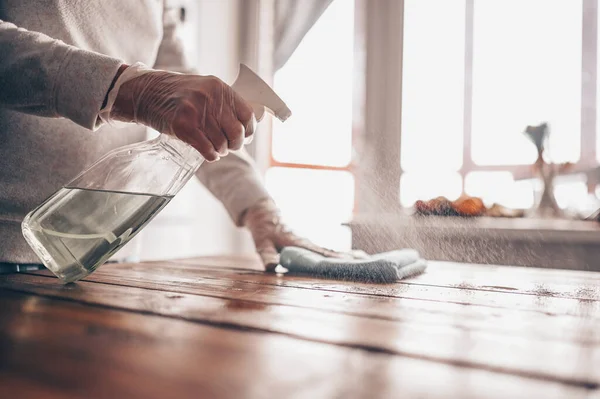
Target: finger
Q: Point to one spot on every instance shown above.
(234, 132)
(293, 240)
(245, 114)
(261, 114)
(251, 126)
(217, 136)
(227, 118)
(359, 254)
(328, 253)
(285, 238)
(185, 128)
(205, 147)
(269, 255)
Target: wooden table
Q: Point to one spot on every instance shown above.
(206, 328)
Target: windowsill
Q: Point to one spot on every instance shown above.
(522, 229)
(563, 244)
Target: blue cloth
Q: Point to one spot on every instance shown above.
(386, 267)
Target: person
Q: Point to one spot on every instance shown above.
(60, 59)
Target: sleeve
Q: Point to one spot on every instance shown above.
(46, 77)
(234, 180)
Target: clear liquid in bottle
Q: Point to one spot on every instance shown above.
(77, 230)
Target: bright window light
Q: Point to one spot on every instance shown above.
(314, 202)
(316, 83)
(526, 70)
(433, 85)
(499, 188)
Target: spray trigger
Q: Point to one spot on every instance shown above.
(261, 97)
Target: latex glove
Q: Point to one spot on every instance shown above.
(270, 235)
(203, 111)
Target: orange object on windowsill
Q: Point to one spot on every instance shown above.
(441, 206)
(469, 206)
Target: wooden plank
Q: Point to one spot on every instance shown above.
(246, 263)
(498, 321)
(516, 280)
(503, 279)
(251, 263)
(537, 274)
(566, 362)
(540, 302)
(110, 353)
(240, 262)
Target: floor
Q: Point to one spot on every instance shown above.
(211, 328)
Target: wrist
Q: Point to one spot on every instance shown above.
(112, 84)
(122, 97)
(123, 108)
(263, 210)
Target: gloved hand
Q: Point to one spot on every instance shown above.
(270, 235)
(203, 111)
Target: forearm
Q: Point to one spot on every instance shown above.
(235, 181)
(46, 77)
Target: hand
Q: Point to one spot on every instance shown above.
(270, 235)
(200, 110)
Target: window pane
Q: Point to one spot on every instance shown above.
(490, 186)
(500, 188)
(433, 84)
(526, 70)
(425, 186)
(524, 194)
(571, 193)
(316, 83)
(314, 202)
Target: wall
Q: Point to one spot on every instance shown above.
(195, 223)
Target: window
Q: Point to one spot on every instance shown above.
(526, 70)
(475, 74)
(310, 175)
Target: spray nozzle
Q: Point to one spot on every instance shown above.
(260, 95)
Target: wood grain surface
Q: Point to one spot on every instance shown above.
(213, 327)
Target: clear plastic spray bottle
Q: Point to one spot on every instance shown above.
(92, 217)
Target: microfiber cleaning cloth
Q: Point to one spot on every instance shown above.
(386, 267)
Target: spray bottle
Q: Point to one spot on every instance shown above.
(89, 219)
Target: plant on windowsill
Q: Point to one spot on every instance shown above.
(546, 170)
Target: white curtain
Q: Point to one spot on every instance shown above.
(293, 19)
(270, 32)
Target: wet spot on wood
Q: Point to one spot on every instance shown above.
(499, 287)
